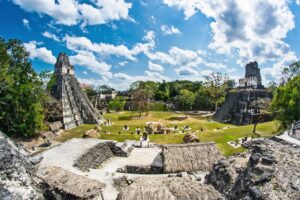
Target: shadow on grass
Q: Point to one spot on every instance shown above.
(177, 118)
(126, 118)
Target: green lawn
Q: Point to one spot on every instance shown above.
(212, 131)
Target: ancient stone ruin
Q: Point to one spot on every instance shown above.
(252, 76)
(247, 104)
(269, 170)
(76, 107)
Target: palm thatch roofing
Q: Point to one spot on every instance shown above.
(190, 157)
(72, 185)
(162, 188)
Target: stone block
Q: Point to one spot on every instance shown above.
(55, 126)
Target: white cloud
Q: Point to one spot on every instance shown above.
(155, 67)
(83, 43)
(275, 72)
(51, 36)
(253, 29)
(85, 72)
(186, 71)
(122, 64)
(105, 11)
(71, 12)
(40, 53)
(26, 23)
(169, 30)
(87, 59)
(122, 81)
(298, 2)
(150, 36)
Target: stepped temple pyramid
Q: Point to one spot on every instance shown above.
(246, 104)
(76, 107)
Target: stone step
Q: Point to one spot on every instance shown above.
(70, 125)
(79, 122)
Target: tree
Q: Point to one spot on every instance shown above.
(186, 99)
(21, 91)
(289, 72)
(217, 84)
(117, 104)
(104, 89)
(203, 99)
(140, 101)
(272, 86)
(286, 102)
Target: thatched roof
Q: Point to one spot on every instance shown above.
(162, 188)
(190, 157)
(70, 184)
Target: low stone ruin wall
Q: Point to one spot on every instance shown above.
(141, 169)
(58, 183)
(121, 149)
(97, 154)
(94, 156)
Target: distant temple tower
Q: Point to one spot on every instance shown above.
(252, 77)
(76, 107)
(244, 104)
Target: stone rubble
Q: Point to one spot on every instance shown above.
(269, 171)
(15, 169)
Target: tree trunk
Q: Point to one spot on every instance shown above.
(186, 116)
(254, 128)
(216, 106)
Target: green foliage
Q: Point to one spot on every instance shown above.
(89, 90)
(286, 102)
(48, 79)
(157, 106)
(186, 98)
(140, 101)
(117, 104)
(218, 84)
(21, 91)
(203, 99)
(289, 72)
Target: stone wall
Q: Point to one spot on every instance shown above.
(237, 107)
(94, 156)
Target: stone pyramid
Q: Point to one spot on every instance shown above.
(244, 104)
(76, 107)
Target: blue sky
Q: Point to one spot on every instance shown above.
(117, 42)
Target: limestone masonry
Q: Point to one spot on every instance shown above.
(77, 108)
(248, 103)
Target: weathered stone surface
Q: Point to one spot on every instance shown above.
(141, 169)
(94, 156)
(55, 126)
(171, 188)
(252, 70)
(93, 133)
(190, 138)
(269, 171)
(15, 181)
(61, 184)
(242, 106)
(190, 157)
(122, 149)
(295, 130)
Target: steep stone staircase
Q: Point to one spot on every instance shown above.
(71, 112)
